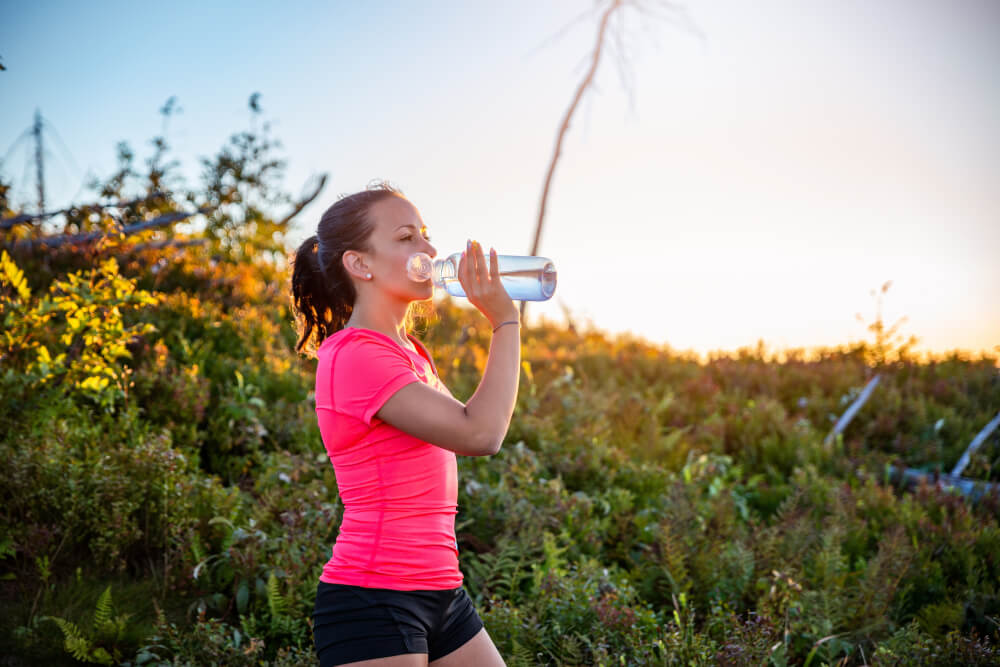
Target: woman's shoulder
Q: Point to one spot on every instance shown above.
(357, 340)
(418, 346)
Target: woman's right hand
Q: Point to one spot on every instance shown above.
(482, 285)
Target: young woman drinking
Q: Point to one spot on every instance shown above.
(391, 593)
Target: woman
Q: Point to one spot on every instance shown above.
(391, 593)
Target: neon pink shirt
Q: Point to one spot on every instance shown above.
(400, 493)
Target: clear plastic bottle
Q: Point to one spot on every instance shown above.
(525, 277)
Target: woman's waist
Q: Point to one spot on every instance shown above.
(396, 509)
(397, 538)
(396, 518)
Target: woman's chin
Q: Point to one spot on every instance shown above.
(423, 291)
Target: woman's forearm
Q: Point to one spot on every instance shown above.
(492, 404)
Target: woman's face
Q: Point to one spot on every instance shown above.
(399, 232)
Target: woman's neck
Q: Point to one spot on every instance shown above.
(393, 331)
(378, 312)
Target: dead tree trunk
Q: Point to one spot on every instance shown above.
(564, 126)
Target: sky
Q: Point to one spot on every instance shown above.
(741, 172)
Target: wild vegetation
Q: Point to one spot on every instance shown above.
(167, 500)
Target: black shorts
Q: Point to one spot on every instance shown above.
(352, 623)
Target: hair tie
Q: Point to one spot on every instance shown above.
(319, 259)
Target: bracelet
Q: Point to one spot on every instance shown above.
(507, 322)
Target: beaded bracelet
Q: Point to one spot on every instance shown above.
(503, 323)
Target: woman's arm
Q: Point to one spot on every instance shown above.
(478, 427)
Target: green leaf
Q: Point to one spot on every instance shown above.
(101, 657)
(94, 383)
(12, 275)
(242, 597)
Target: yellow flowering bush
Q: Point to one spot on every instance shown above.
(74, 336)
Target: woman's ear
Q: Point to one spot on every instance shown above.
(354, 264)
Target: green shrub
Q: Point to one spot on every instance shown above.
(583, 615)
(109, 490)
(208, 642)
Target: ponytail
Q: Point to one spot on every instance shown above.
(322, 310)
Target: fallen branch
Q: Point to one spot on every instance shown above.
(975, 444)
(168, 243)
(7, 223)
(972, 488)
(846, 418)
(80, 239)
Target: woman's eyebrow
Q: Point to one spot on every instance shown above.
(414, 226)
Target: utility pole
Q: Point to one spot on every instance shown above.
(39, 169)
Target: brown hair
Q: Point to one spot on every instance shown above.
(322, 292)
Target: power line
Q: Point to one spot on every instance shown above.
(36, 132)
(62, 146)
(39, 163)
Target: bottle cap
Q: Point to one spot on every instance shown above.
(419, 267)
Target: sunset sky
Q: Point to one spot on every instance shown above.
(753, 172)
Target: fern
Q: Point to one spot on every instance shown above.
(510, 581)
(76, 644)
(103, 612)
(500, 572)
(277, 603)
(830, 575)
(520, 655)
(571, 649)
(882, 577)
(939, 617)
(673, 565)
(733, 574)
(552, 559)
(104, 630)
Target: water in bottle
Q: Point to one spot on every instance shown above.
(525, 277)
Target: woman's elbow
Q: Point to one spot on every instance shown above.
(483, 446)
(492, 447)
(485, 443)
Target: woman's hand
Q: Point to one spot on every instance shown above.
(481, 282)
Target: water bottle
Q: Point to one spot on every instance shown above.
(525, 277)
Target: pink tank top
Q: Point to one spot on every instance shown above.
(400, 493)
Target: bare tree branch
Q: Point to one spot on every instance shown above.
(564, 126)
(559, 33)
(167, 243)
(671, 11)
(305, 201)
(80, 239)
(7, 223)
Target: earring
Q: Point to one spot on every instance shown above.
(368, 276)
